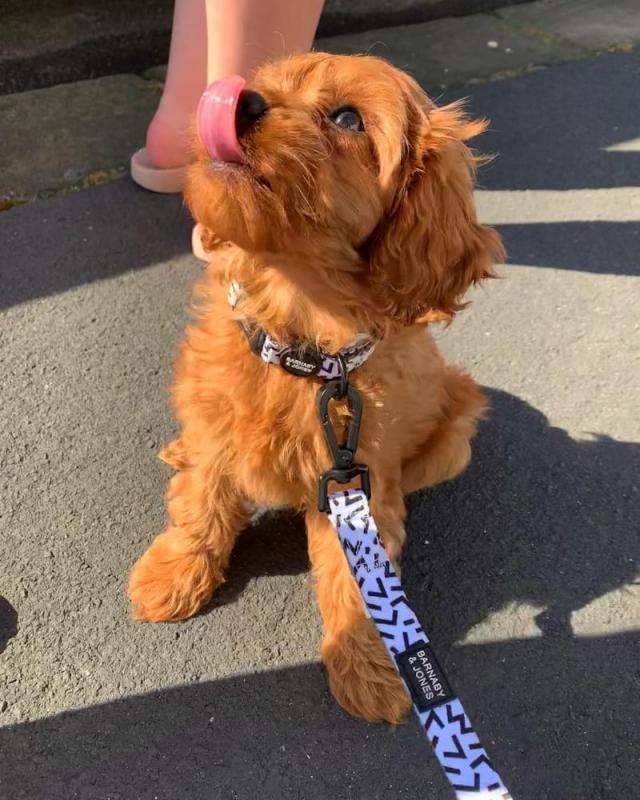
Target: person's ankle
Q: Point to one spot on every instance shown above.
(167, 141)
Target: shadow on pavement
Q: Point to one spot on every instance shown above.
(8, 622)
(274, 544)
(54, 245)
(551, 129)
(604, 248)
(279, 735)
(540, 519)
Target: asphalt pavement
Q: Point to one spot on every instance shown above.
(524, 570)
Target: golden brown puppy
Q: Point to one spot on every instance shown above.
(336, 226)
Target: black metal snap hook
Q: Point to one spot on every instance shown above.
(344, 470)
(342, 455)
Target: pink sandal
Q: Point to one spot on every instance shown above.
(145, 173)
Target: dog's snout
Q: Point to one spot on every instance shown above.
(251, 107)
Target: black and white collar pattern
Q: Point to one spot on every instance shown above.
(302, 360)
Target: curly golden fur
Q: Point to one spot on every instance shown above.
(333, 233)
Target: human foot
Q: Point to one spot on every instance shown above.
(161, 165)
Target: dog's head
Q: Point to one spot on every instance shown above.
(346, 163)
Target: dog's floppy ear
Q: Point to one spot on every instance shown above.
(430, 248)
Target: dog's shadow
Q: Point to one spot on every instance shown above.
(538, 518)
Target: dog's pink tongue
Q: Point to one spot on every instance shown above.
(216, 119)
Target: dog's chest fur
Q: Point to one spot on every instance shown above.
(261, 424)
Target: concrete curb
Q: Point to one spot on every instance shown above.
(49, 43)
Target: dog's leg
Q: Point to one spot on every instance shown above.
(184, 566)
(361, 676)
(446, 453)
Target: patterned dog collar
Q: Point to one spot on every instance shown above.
(302, 360)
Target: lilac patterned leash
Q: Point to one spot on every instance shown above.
(440, 712)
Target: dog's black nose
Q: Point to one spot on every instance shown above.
(251, 107)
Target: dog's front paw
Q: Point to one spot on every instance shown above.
(169, 582)
(361, 676)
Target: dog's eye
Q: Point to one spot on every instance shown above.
(348, 119)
